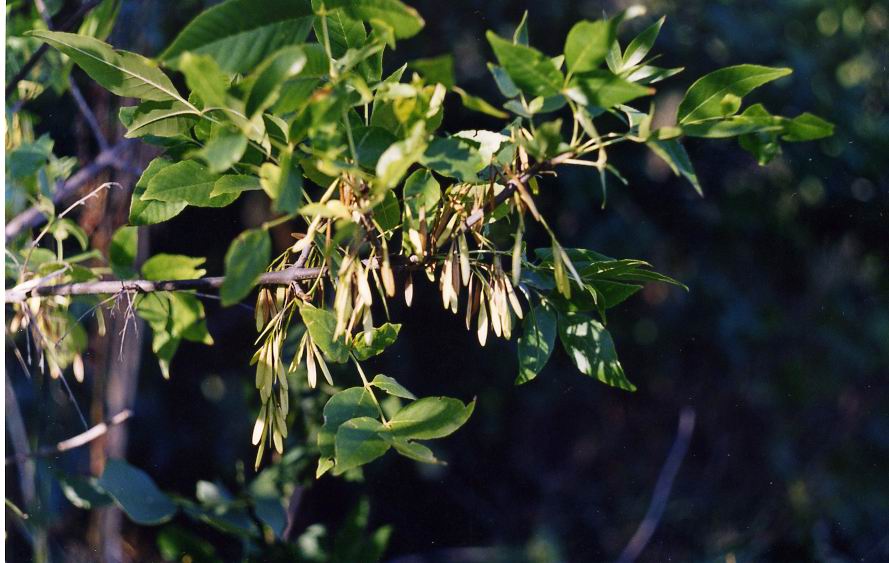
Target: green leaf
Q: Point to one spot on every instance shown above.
(703, 99)
(354, 402)
(135, 492)
(321, 325)
(126, 74)
(504, 83)
(547, 140)
(144, 212)
(404, 20)
(204, 78)
(393, 164)
(673, 153)
(267, 79)
(177, 544)
(641, 45)
(411, 450)
(239, 34)
(381, 337)
(235, 183)
(83, 492)
(388, 213)
(807, 127)
(588, 43)
(429, 418)
(161, 119)
(592, 350)
(520, 35)
(436, 69)
(536, 342)
(283, 184)
(358, 442)
(122, 251)
(224, 149)
(533, 73)
(247, 258)
(488, 142)
(453, 157)
(421, 189)
(734, 126)
(173, 267)
(344, 32)
(188, 182)
(392, 387)
(370, 143)
(479, 104)
(601, 88)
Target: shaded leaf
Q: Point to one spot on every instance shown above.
(247, 258)
(392, 387)
(535, 345)
(135, 492)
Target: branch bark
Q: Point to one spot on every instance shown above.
(33, 216)
(662, 488)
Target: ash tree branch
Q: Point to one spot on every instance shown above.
(294, 273)
(662, 488)
(280, 277)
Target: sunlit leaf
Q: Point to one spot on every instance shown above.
(591, 349)
(703, 99)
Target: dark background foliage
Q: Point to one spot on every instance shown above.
(781, 344)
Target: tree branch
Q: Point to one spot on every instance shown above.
(75, 441)
(662, 488)
(286, 276)
(33, 216)
(67, 25)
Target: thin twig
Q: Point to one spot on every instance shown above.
(77, 441)
(88, 115)
(662, 488)
(84, 108)
(67, 25)
(281, 277)
(34, 217)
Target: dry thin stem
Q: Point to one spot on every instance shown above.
(77, 441)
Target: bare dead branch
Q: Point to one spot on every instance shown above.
(75, 441)
(662, 488)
